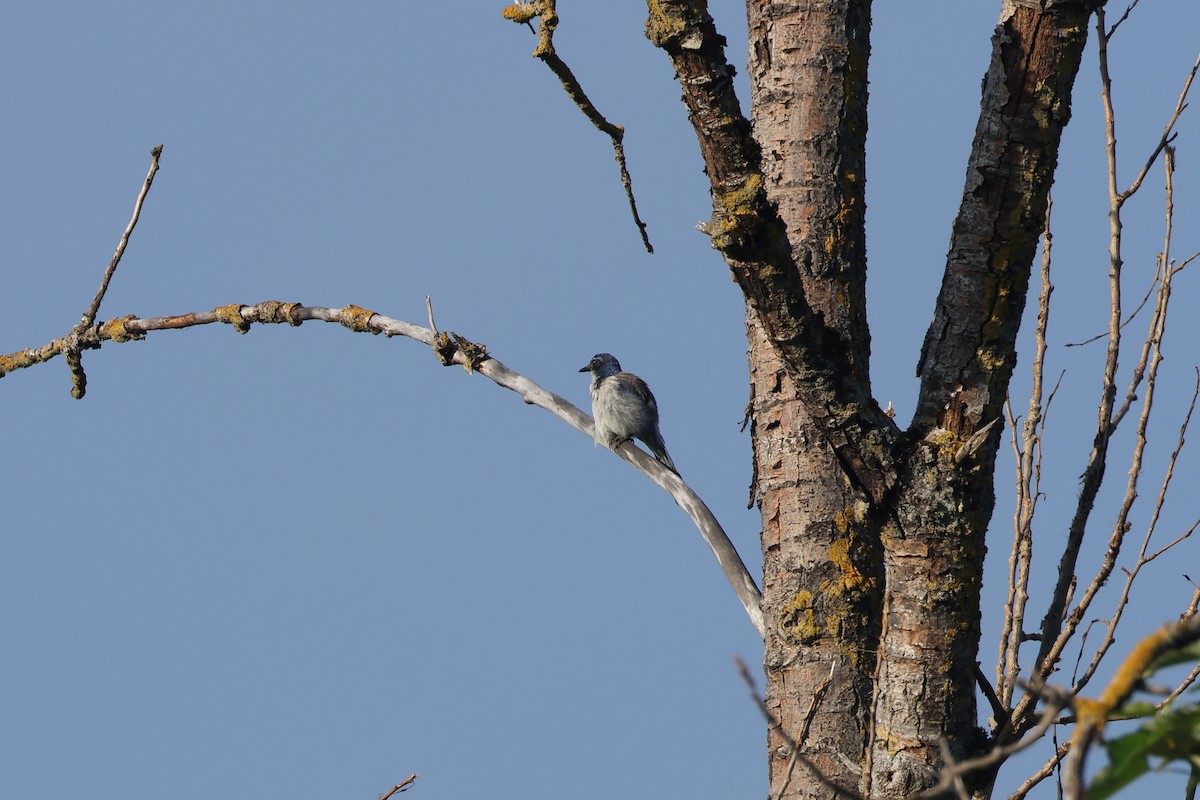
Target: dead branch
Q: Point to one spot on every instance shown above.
(451, 349)
(75, 344)
(1148, 364)
(402, 786)
(1144, 556)
(546, 13)
(1057, 626)
(1060, 752)
(1029, 469)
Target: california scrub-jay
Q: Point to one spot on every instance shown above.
(624, 408)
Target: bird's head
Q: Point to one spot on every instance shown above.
(602, 365)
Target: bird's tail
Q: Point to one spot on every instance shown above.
(659, 448)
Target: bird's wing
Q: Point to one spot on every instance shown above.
(637, 387)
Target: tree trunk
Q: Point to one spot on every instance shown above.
(873, 538)
(821, 558)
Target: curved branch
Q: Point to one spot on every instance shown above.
(457, 351)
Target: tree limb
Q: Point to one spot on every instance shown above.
(458, 351)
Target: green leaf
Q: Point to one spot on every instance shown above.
(1172, 735)
(1188, 654)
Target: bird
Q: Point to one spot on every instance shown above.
(624, 408)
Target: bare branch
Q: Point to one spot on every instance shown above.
(73, 352)
(1167, 134)
(547, 15)
(1029, 467)
(1144, 557)
(794, 745)
(1148, 364)
(1130, 317)
(1124, 17)
(1060, 752)
(89, 316)
(1171, 544)
(1057, 627)
(402, 786)
(456, 350)
(1181, 688)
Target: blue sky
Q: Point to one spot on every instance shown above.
(307, 562)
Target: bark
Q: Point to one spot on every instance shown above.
(925, 692)
(821, 561)
(873, 539)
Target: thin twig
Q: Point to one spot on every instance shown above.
(1057, 626)
(1029, 470)
(1092, 714)
(1181, 688)
(775, 724)
(1124, 17)
(1151, 358)
(1144, 558)
(76, 339)
(89, 316)
(1185, 262)
(1171, 544)
(951, 767)
(1130, 317)
(1193, 607)
(402, 786)
(547, 16)
(1060, 752)
(1167, 135)
(429, 311)
(1053, 635)
(999, 710)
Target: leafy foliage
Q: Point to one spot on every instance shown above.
(1172, 734)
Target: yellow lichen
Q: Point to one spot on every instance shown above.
(662, 27)
(232, 315)
(1090, 713)
(741, 201)
(519, 12)
(357, 319)
(734, 206)
(844, 520)
(115, 329)
(798, 620)
(990, 359)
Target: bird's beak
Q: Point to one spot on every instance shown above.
(588, 368)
